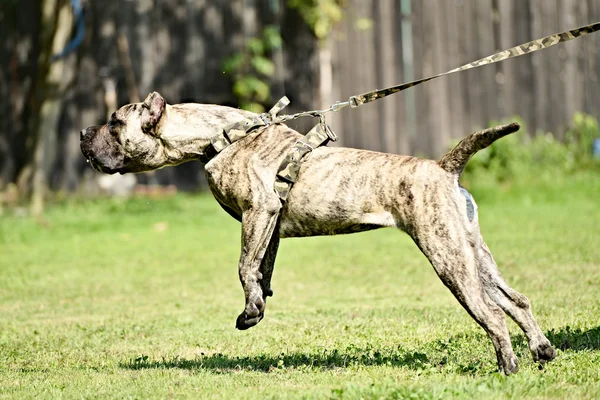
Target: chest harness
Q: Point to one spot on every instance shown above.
(321, 134)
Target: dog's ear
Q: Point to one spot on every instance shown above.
(152, 111)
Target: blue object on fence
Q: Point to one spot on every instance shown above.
(596, 148)
(79, 34)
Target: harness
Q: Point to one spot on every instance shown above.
(321, 134)
(288, 170)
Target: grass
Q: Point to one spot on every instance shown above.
(138, 298)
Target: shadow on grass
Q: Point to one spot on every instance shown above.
(444, 355)
(327, 359)
(578, 339)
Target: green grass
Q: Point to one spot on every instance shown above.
(138, 299)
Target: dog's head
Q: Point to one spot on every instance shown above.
(145, 136)
(130, 141)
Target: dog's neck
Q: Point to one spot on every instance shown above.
(187, 129)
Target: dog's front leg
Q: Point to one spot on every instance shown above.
(258, 227)
(268, 263)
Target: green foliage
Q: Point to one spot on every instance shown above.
(580, 138)
(520, 159)
(251, 69)
(320, 15)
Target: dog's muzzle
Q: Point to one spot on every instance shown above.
(102, 152)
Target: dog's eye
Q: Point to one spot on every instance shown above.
(114, 124)
(114, 133)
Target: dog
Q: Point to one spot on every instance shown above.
(338, 191)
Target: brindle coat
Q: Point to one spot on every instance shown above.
(339, 190)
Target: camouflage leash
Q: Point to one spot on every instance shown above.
(526, 48)
(319, 135)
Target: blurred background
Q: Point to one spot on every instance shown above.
(68, 64)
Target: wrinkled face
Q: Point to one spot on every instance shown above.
(130, 141)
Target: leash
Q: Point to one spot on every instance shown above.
(321, 133)
(513, 52)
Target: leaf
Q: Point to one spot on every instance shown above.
(321, 28)
(364, 24)
(256, 46)
(263, 66)
(232, 64)
(272, 38)
(261, 90)
(254, 107)
(241, 88)
(250, 87)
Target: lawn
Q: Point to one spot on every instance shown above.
(138, 299)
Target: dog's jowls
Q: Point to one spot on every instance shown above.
(339, 190)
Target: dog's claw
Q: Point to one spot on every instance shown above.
(252, 315)
(511, 367)
(244, 322)
(543, 353)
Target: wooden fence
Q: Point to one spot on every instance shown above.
(385, 42)
(177, 47)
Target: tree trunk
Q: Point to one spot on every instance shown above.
(53, 77)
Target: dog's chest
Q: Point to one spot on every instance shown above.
(225, 184)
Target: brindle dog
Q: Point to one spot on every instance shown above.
(339, 190)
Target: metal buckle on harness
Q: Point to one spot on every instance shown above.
(331, 134)
(308, 146)
(305, 144)
(265, 119)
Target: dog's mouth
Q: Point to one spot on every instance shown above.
(94, 162)
(109, 166)
(95, 165)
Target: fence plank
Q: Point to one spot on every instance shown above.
(456, 104)
(571, 63)
(591, 63)
(388, 66)
(420, 141)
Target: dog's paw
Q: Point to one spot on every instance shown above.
(510, 366)
(543, 353)
(244, 321)
(252, 315)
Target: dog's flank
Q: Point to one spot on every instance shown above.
(338, 190)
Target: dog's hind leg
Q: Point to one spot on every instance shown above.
(451, 254)
(515, 304)
(258, 227)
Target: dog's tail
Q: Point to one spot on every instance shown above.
(455, 160)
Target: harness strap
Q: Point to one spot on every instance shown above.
(239, 130)
(288, 170)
